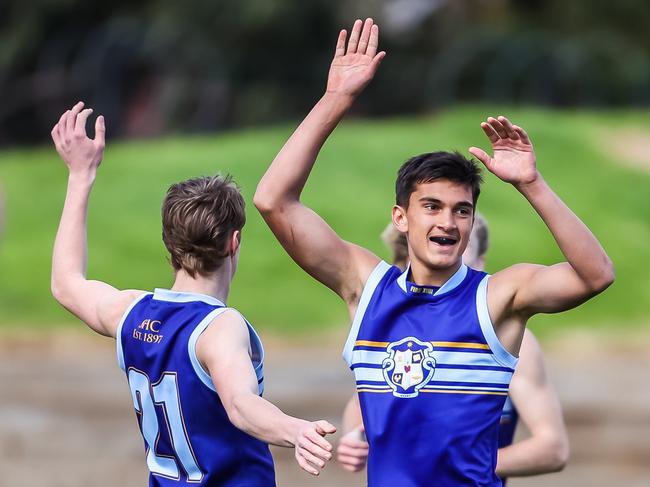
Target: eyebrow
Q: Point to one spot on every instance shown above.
(429, 199)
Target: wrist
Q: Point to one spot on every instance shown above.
(82, 178)
(339, 100)
(532, 185)
(295, 425)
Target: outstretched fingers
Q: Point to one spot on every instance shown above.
(365, 36)
(340, 44)
(80, 123)
(354, 37)
(490, 132)
(100, 132)
(507, 125)
(522, 134)
(373, 42)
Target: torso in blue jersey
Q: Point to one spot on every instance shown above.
(432, 379)
(188, 437)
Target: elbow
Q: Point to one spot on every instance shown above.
(558, 454)
(605, 277)
(58, 291)
(235, 411)
(262, 201)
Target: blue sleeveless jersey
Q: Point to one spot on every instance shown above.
(432, 379)
(188, 437)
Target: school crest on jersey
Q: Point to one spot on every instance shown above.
(409, 366)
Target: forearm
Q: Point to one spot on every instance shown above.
(352, 415)
(533, 456)
(261, 419)
(287, 175)
(579, 246)
(70, 247)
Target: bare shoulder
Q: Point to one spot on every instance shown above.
(112, 307)
(228, 332)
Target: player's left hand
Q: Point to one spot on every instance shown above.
(79, 152)
(514, 157)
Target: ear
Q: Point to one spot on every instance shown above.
(235, 242)
(399, 219)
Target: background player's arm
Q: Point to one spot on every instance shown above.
(96, 303)
(352, 449)
(224, 350)
(533, 289)
(309, 240)
(547, 449)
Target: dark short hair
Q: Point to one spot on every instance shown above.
(199, 216)
(436, 165)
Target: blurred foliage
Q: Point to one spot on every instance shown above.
(157, 66)
(352, 187)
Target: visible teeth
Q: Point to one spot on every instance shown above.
(443, 240)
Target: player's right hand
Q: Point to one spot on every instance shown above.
(312, 450)
(352, 450)
(355, 65)
(79, 152)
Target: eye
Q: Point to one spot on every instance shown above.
(464, 211)
(431, 206)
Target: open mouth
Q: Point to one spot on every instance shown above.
(445, 241)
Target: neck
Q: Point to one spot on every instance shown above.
(427, 276)
(216, 284)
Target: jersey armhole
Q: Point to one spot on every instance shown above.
(501, 355)
(201, 373)
(118, 332)
(368, 290)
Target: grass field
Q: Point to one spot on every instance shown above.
(352, 188)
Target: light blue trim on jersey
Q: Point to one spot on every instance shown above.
(452, 283)
(191, 347)
(501, 355)
(118, 332)
(368, 290)
(184, 297)
(256, 344)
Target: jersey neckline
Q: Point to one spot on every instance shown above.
(184, 297)
(452, 283)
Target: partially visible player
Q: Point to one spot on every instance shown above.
(438, 315)
(531, 396)
(194, 366)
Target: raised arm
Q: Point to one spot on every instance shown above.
(94, 302)
(306, 236)
(224, 351)
(547, 448)
(536, 288)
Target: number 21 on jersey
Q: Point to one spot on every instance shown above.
(164, 393)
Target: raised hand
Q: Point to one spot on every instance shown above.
(355, 65)
(514, 157)
(78, 151)
(312, 450)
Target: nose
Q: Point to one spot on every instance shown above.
(446, 221)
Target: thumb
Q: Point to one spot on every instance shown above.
(100, 131)
(361, 428)
(324, 428)
(480, 154)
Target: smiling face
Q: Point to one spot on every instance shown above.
(438, 223)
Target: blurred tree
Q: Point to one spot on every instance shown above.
(160, 65)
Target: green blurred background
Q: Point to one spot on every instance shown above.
(217, 86)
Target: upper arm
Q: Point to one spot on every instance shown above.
(534, 396)
(313, 244)
(224, 350)
(524, 290)
(100, 305)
